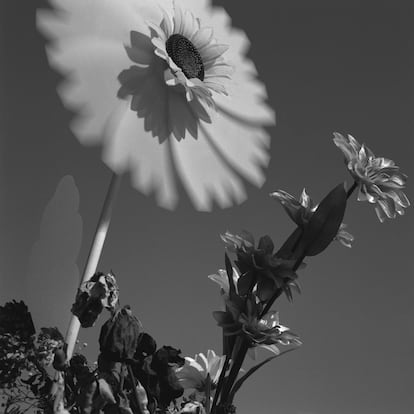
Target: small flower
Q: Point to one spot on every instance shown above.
(300, 211)
(244, 316)
(196, 371)
(222, 279)
(379, 179)
(260, 269)
(156, 85)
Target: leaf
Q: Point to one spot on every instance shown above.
(251, 371)
(245, 283)
(325, 222)
(291, 245)
(229, 271)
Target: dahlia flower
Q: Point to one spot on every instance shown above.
(379, 180)
(164, 86)
(300, 211)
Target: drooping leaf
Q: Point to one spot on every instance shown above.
(325, 222)
(237, 385)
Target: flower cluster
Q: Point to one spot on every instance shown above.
(154, 83)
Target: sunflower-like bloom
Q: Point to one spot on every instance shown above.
(244, 317)
(163, 83)
(379, 179)
(300, 211)
(196, 372)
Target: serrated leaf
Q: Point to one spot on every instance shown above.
(325, 222)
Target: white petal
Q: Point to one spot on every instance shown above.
(131, 146)
(272, 348)
(244, 146)
(243, 103)
(202, 37)
(205, 176)
(94, 65)
(109, 19)
(202, 360)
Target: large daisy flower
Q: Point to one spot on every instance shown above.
(164, 85)
(379, 180)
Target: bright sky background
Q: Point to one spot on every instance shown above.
(345, 66)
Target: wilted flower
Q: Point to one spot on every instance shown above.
(119, 336)
(157, 87)
(260, 269)
(300, 211)
(244, 316)
(195, 373)
(379, 179)
(101, 291)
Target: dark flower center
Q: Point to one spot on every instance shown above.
(185, 56)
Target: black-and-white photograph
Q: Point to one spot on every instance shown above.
(205, 207)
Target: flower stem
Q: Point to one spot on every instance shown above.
(220, 383)
(94, 256)
(241, 349)
(271, 302)
(134, 390)
(351, 189)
